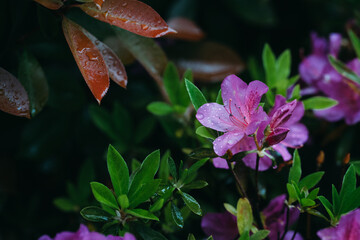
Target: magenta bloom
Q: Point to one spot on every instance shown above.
(347, 229)
(240, 115)
(317, 71)
(223, 226)
(84, 234)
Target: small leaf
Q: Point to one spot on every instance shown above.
(172, 82)
(230, 209)
(176, 215)
(196, 185)
(103, 195)
(349, 182)
(296, 93)
(244, 215)
(157, 205)
(307, 202)
(355, 41)
(142, 213)
(269, 63)
(313, 194)
(245, 236)
(184, 99)
(344, 70)
(123, 201)
(147, 233)
(191, 237)
(335, 200)
(356, 165)
(196, 96)
(327, 205)
(95, 214)
(292, 193)
(185, 29)
(160, 108)
(51, 4)
(201, 153)
(203, 132)
(260, 235)
(64, 204)
(164, 171)
(283, 65)
(311, 180)
(13, 97)
(172, 168)
(88, 58)
(351, 202)
(191, 203)
(319, 103)
(118, 170)
(295, 170)
(147, 189)
(219, 98)
(32, 77)
(191, 174)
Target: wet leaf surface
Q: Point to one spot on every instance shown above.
(13, 97)
(132, 15)
(88, 59)
(51, 4)
(209, 61)
(186, 29)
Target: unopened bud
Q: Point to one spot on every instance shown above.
(346, 159)
(320, 158)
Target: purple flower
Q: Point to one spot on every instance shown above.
(223, 226)
(347, 229)
(317, 71)
(84, 234)
(240, 115)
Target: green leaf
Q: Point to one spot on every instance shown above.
(351, 202)
(95, 214)
(305, 202)
(295, 170)
(327, 205)
(203, 132)
(311, 180)
(172, 168)
(335, 200)
(193, 170)
(172, 82)
(319, 103)
(146, 172)
(135, 165)
(219, 98)
(191, 237)
(244, 215)
(142, 213)
(147, 233)
(292, 193)
(176, 215)
(146, 190)
(64, 204)
(296, 93)
(245, 236)
(269, 63)
(313, 194)
(32, 77)
(196, 185)
(103, 195)
(201, 153)
(157, 205)
(103, 120)
(118, 170)
(196, 96)
(316, 213)
(356, 165)
(123, 201)
(230, 209)
(283, 65)
(355, 41)
(160, 108)
(184, 99)
(349, 182)
(260, 235)
(164, 171)
(344, 70)
(191, 203)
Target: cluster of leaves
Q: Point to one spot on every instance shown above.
(141, 196)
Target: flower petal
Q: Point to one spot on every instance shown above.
(289, 236)
(253, 95)
(250, 160)
(312, 67)
(222, 226)
(277, 135)
(282, 150)
(233, 88)
(282, 114)
(297, 136)
(335, 43)
(214, 116)
(319, 44)
(227, 141)
(220, 163)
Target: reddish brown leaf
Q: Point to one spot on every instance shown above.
(209, 62)
(131, 15)
(99, 3)
(13, 97)
(186, 29)
(51, 4)
(120, 50)
(115, 67)
(88, 59)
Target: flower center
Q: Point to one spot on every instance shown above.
(236, 121)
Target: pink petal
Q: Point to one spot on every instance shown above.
(335, 44)
(257, 120)
(297, 136)
(233, 88)
(253, 95)
(220, 163)
(312, 67)
(215, 116)
(227, 141)
(45, 237)
(282, 150)
(289, 234)
(282, 114)
(250, 161)
(277, 135)
(279, 101)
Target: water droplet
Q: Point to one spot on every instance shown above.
(118, 72)
(124, 4)
(199, 116)
(91, 56)
(144, 26)
(106, 14)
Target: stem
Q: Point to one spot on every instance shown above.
(287, 222)
(242, 192)
(308, 226)
(257, 197)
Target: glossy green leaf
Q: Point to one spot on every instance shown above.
(148, 233)
(64, 204)
(219, 98)
(142, 213)
(196, 185)
(349, 182)
(172, 168)
(295, 170)
(313, 194)
(269, 63)
(191, 237)
(201, 153)
(172, 82)
(160, 108)
(351, 202)
(191, 203)
(327, 205)
(191, 174)
(123, 201)
(355, 41)
(260, 235)
(196, 96)
(244, 215)
(344, 70)
(176, 215)
(245, 236)
(307, 202)
(164, 171)
(157, 205)
(319, 103)
(335, 200)
(118, 170)
(146, 190)
(103, 194)
(296, 93)
(95, 214)
(356, 165)
(292, 193)
(184, 99)
(311, 180)
(203, 132)
(32, 77)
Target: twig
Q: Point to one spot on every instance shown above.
(243, 193)
(286, 223)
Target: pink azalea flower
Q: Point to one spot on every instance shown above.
(240, 115)
(223, 226)
(347, 229)
(84, 234)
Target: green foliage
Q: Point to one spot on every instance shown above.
(244, 216)
(344, 70)
(95, 214)
(119, 172)
(355, 41)
(196, 96)
(159, 108)
(171, 82)
(318, 103)
(203, 132)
